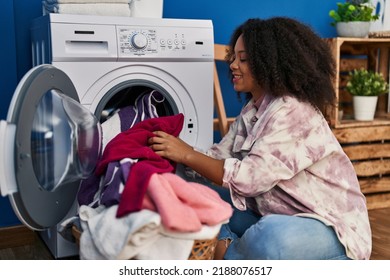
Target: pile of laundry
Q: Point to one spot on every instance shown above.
(88, 7)
(135, 206)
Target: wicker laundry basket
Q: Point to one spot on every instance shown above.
(201, 250)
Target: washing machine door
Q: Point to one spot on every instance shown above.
(48, 143)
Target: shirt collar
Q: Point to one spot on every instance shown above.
(258, 102)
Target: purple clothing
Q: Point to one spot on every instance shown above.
(282, 158)
(96, 190)
(144, 108)
(114, 179)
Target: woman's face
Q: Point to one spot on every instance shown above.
(243, 80)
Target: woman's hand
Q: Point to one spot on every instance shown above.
(175, 149)
(169, 147)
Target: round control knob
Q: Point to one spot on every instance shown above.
(139, 41)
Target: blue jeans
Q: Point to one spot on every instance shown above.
(278, 237)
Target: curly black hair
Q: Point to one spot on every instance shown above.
(287, 57)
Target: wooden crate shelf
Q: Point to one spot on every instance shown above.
(355, 53)
(368, 148)
(367, 143)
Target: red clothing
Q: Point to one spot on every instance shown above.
(133, 143)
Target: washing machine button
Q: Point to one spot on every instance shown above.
(139, 41)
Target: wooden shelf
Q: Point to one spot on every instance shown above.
(367, 143)
(365, 41)
(353, 123)
(353, 53)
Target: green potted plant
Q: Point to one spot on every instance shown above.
(365, 86)
(353, 18)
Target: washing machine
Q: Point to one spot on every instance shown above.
(86, 67)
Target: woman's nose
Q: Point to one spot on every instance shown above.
(233, 65)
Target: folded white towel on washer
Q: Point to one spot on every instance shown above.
(101, 9)
(147, 8)
(86, 1)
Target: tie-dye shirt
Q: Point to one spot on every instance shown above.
(282, 158)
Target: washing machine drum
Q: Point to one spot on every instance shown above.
(49, 143)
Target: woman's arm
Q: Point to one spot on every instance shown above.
(177, 150)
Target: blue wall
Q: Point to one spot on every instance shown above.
(227, 15)
(7, 56)
(16, 15)
(8, 79)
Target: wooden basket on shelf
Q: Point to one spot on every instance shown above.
(201, 250)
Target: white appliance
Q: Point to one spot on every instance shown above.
(101, 63)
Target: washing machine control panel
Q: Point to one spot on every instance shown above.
(163, 42)
(137, 41)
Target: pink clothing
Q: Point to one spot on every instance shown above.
(133, 143)
(285, 157)
(185, 206)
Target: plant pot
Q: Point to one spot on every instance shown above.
(364, 107)
(357, 29)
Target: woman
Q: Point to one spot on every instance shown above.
(295, 192)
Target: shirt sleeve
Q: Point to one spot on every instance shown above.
(223, 149)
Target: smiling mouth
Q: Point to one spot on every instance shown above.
(236, 78)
